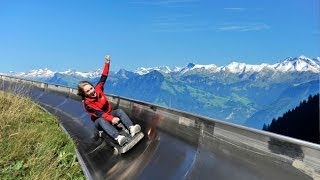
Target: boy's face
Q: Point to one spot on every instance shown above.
(89, 91)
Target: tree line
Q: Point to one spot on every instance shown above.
(301, 122)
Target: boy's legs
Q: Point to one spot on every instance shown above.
(134, 129)
(107, 127)
(123, 117)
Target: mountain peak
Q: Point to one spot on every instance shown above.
(123, 73)
(69, 71)
(162, 69)
(190, 65)
(302, 57)
(38, 73)
(301, 63)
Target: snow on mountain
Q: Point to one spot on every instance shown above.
(176, 69)
(39, 73)
(187, 68)
(90, 74)
(209, 67)
(142, 70)
(301, 64)
(46, 73)
(317, 60)
(235, 67)
(163, 69)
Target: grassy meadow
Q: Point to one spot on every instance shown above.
(32, 145)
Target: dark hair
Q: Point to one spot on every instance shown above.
(80, 88)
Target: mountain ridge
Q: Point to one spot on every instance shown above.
(238, 93)
(300, 64)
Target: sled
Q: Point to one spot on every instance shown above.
(131, 142)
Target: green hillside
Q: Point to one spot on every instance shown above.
(32, 144)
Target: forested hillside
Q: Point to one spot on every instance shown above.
(301, 122)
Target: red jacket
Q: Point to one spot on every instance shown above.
(99, 106)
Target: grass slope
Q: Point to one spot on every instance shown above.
(32, 144)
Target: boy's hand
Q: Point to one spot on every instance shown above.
(115, 120)
(107, 58)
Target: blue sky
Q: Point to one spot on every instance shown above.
(62, 34)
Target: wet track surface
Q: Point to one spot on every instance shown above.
(161, 154)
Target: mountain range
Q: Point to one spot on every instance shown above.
(240, 93)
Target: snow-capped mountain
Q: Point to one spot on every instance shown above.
(47, 73)
(90, 74)
(39, 73)
(163, 69)
(237, 92)
(299, 64)
(235, 67)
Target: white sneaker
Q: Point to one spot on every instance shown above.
(121, 139)
(134, 129)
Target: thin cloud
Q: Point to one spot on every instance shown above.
(180, 23)
(245, 28)
(177, 1)
(185, 28)
(167, 25)
(239, 9)
(165, 2)
(235, 9)
(173, 17)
